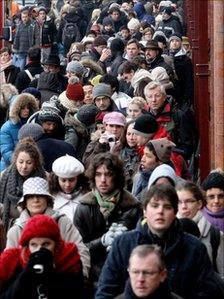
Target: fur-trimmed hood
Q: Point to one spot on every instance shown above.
(71, 121)
(19, 102)
(89, 63)
(7, 92)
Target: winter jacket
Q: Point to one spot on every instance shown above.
(9, 130)
(170, 26)
(190, 271)
(92, 225)
(25, 37)
(159, 61)
(23, 81)
(46, 33)
(11, 73)
(68, 232)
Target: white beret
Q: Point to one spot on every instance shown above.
(67, 167)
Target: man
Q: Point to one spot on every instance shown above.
(107, 210)
(25, 38)
(184, 71)
(147, 274)
(169, 23)
(31, 72)
(102, 94)
(118, 17)
(179, 124)
(190, 271)
(132, 49)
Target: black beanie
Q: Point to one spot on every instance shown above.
(117, 45)
(87, 114)
(213, 180)
(145, 125)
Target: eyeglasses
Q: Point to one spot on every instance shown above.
(145, 273)
(215, 196)
(187, 202)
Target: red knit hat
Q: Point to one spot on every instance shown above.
(40, 226)
(74, 90)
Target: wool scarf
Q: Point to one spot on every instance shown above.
(4, 66)
(216, 219)
(108, 202)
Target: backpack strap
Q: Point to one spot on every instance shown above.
(214, 241)
(29, 75)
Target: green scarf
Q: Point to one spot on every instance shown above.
(107, 203)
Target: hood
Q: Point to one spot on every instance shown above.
(89, 63)
(7, 92)
(182, 52)
(140, 10)
(71, 121)
(162, 170)
(18, 103)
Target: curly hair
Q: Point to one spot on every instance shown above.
(113, 164)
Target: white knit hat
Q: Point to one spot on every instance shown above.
(67, 167)
(133, 24)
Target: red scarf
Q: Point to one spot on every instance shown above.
(66, 259)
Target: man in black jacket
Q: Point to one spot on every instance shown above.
(190, 272)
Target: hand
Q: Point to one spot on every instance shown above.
(41, 262)
(106, 53)
(108, 238)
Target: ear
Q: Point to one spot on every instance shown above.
(200, 204)
(163, 275)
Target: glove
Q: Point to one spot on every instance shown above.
(120, 229)
(108, 238)
(41, 262)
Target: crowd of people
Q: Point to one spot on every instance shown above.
(98, 196)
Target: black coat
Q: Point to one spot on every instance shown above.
(190, 271)
(23, 81)
(11, 72)
(91, 224)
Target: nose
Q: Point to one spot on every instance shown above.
(103, 178)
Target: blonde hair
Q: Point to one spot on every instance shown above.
(139, 101)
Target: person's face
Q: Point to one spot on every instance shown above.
(128, 76)
(165, 16)
(151, 53)
(42, 15)
(104, 180)
(36, 204)
(25, 17)
(145, 275)
(99, 49)
(53, 68)
(188, 205)
(148, 161)
(68, 185)
(108, 27)
(159, 214)
(148, 36)
(175, 44)
(24, 164)
(49, 126)
(132, 50)
(5, 57)
(88, 94)
(25, 112)
(131, 137)
(134, 111)
(155, 98)
(35, 244)
(102, 103)
(215, 199)
(115, 16)
(141, 140)
(125, 34)
(116, 130)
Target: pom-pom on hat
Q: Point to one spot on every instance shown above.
(40, 226)
(163, 148)
(87, 114)
(145, 125)
(114, 118)
(67, 167)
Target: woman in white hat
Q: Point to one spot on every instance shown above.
(37, 200)
(67, 184)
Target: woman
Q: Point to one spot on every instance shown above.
(26, 163)
(8, 72)
(135, 108)
(21, 108)
(37, 200)
(191, 202)
(129, 154)
(44, 266)
(67, 184)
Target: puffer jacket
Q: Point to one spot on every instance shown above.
(9, 130)
(190, 272)
(68, 231)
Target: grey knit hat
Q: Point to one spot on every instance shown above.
(31, 130)
(87, 114)
(76, 67)
(102, 90)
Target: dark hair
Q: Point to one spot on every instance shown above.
(111, 80)
(162, 192)
(152, 149)
(28, 145)
(113, 164)
(139, 91)
(54, 187)
(113, 9)
(133, 41)
(5, 49)
(124, 28)
(196, 191)
(127, 67)
(123, 139)
(34, 53)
